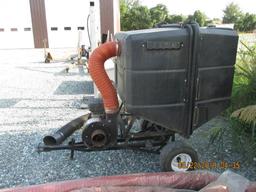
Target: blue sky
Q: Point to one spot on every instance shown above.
(212, 8)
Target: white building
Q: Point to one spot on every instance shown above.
(26, 23)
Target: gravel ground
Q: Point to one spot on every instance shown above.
(37, 98)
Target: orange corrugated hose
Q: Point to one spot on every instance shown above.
(100, 77)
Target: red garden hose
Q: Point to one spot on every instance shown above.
(143, 182)
(188, 180)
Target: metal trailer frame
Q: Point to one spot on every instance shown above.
(208, 64)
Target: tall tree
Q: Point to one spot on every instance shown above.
(158, 13)
(125, 6)
(246, 23)
(217, 21)
(134, 16)
(199, 17)
(232, 13)
(175, 19)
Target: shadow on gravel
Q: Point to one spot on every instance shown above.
(66, 72)
(20, 164)
(7, 103)
(34, 69)
(74, 88)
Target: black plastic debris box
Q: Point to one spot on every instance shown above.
(178, 77)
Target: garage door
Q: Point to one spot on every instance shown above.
(15, 24)
(64, 21)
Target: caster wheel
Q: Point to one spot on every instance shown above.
(177, 156)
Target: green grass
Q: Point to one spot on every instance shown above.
(243, 106)
(244, 85)
(243, 141)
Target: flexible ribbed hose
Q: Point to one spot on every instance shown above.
(179, 180)
(100, 77)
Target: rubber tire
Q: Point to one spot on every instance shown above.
(170, 150)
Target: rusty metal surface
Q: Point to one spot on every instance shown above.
(106, 16)
(109, 16)
(39, 25)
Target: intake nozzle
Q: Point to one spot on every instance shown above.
(100, 77)
(64, 132)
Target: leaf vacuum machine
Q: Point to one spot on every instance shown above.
(168, 80)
